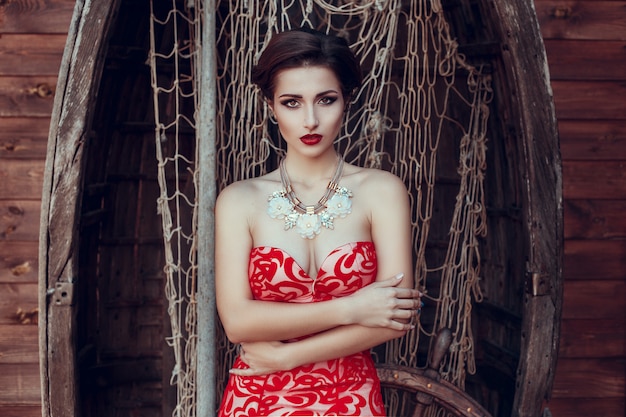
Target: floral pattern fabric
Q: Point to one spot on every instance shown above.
(346, 386)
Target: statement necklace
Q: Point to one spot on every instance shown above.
(308, 220)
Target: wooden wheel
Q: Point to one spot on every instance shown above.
(428, 386)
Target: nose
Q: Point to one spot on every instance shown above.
(310, 118)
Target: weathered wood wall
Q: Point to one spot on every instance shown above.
(586, 46)
(32, 38)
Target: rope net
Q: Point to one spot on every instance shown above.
(420, 114)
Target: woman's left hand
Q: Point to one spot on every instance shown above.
(262, 358)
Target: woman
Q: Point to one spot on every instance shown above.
(313, 260)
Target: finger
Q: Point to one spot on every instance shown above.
(417, 304)
(405, 314)
(242, 372)
(407, 293)
(419, 307)
(390, 282)
(405, 304)
(401, 326)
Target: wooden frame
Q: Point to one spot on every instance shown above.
(531, 116)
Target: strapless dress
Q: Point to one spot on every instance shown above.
(347, 386)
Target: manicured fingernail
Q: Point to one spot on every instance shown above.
(400, 275)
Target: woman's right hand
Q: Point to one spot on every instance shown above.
(385, 304)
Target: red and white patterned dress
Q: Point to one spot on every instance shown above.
(346, 386)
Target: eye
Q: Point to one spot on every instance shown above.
(327, 100)
(290, 103)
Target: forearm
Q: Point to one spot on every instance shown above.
(382, 304)
(254, 320)
(338, 342)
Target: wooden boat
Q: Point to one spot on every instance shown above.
(103, 312)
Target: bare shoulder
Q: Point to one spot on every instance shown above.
(235, 191)
(378, 183)
(242, 195)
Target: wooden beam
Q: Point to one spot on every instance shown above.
(29, 96)
(590, 378)
(533, 115)
(18, 344)
(586, 60)
(28, 54)
(79, 78)
(594, 179)
(24, 137)
(595, 219)
(20, 384)
(12, 410)
(593, 139)
(18, 304)
(207, 318)
(594, 299)
(590, 260)
(577, 407)
(604, 20)
(21, 180)
(590, 100)
(26, 16)
(589, 338)
(18, 262)
(19, 220)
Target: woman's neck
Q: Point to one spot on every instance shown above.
(309, 171)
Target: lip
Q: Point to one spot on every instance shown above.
(311, 139)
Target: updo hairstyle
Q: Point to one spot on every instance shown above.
(306, 47)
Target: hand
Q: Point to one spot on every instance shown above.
(262, 358)
(385, 304)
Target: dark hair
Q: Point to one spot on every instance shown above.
(306, 47)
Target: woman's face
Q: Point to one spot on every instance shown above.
(308, 105)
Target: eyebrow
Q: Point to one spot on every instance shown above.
(323, 93)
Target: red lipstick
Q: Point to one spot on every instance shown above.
(311, 139)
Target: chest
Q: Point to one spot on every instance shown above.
(274, 275)
(309, 238)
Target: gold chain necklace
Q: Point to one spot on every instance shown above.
(309, 220)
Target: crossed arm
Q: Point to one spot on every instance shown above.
(379, 312)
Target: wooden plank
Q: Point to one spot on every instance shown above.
(582, 19)
(589, 378)
(24, 137)
(79, 78)
(594, 299)
(594, 180)
(595, 260)
(590, 100)
(18, 262)
(10, 410)
(533, 114)
(593, 338)
(31, 54)
(20, 384)
(593, 139)
(595, 219)
(584, 407)
(21, 180)
(35, 16)
(19, 220)
(586, 60)
(19, 344)
(17, 300)
(27, 96)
